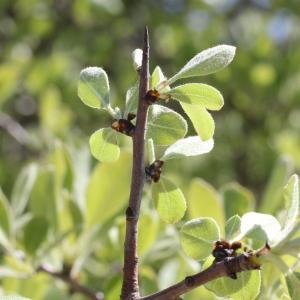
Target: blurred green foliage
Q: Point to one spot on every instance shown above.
(47, 176)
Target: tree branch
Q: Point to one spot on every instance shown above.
(228, 267)
(73, 284)
(130, 287)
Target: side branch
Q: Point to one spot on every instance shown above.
(75, 287)
(237, 264)
(130, 287)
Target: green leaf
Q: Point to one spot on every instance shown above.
(169, 201)
(201, 119)
(164, 125)
(149, 224)
(191, 146)
(22, 188)
(93, 87)
(204, 201)
(198, 94)
(198, 237)
(293, 283)
(232, 227)
(206, 62)
(132, 97)
(245, 287)
(291, 211)
(108, 190)
(103, 145)
(5, 214)
(237, 199)
(35, 233)
(42, 199)
(272, 197)
(259, 226)
(158, 77)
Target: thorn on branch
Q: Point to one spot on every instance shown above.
(154, 170)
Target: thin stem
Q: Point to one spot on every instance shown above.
(73, 284)
(130, 287)
(237, 264)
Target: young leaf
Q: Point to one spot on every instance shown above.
(237, 199)
(232, 227)
(103, 145)
(199, 94)
(206, 62)
(245, 287)
(191, 146)
(158, 77)
(137, 57)
(201, 119)
(291, 199)
(169, 201)
(260, 227)
(198, 237)
(165, 126)
(132, 97)
(93, 87)
(35, 233)
(13, 297)
(204, 201)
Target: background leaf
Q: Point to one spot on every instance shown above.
(204, 201)
(164, 125)
(93, 87)
(198, 237)
(5, 214)
(169, 201)
(201, 119)
(103, 145)
(206, 62)
(293, 283)
(102, 190)
(190, 146)
(237, 200)
(198, 94)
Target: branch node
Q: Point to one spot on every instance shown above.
(189, 281)
(153, 171)
(130, 215)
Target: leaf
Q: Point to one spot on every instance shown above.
(206, 62)
(164, 126)
(233, 227)
(35, 233)
(204, 201)
(93, 87)
(132, 97)
(158, 77)
(198, 237)
(237, 199)
(201, 119)
(169, 201)
(291, 200)
(255, 225)
(137, 57)
(272, 196)
(22, 188)
(198, 94)
(191, 146)
(108, 190)
(293, 283)
(5, 215)
(42, 199)
(148, 223)
(103, 145)
(245, 287)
